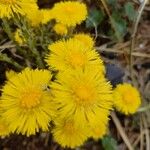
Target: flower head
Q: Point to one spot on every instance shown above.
(98, 131)
(85, 39)
(44, 16)
(73, 54)
(126, 98)
(60, 29)
(10, 7)
(85, 95)
(35, 18)
(10, 74)
(26, 102)
(98, 127)
(4, 130)
(70, 13)
(47, 15)
(68, 134)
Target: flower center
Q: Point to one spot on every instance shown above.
(128, 98)
(69, 128)
(84, 95)
(6, 2)
(69, 10)
(77, 60)
(30, 98)
(97, 131)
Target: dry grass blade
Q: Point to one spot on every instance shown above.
(111, 50)
(7, 46)
(121, 131)
(135, 27)
(141, 135)
(147, 136)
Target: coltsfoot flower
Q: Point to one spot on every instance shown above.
(99, 126)
(10, 7)
(4, 130)
(26, 102)
(73, 54)
(44, 16)
(35, 18)
(69, 133)
(85, 39)
(84, 95)
(126, 98)
(60, 29)
(10, 73)
(70, 13)
(47, 15)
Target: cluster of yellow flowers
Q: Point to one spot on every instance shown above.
(81, 90)
(66, 15)
(78, 99)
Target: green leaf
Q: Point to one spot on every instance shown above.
(130, 11)
(120, 25)
(95, 17)
(112, 2)
(109, 143)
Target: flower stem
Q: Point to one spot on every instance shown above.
(7, 29)
(5, 58)
(30, 39)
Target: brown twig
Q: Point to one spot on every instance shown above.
(136, 54)
(121, 131)
(138, 138)
(7, 46)
(137, 2)
(141, 135)
(135, 27)
(146, 132)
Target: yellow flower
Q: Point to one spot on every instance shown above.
(73, 54)
(44, 16)
(99, 131)
(47, 15)
(85, 39)
(19, 37)
(126, 98)
(70, 13)
(10, 7)
(10, 74)
(68, 134)
(35, 18)
(4, 130)
(83, 94)
(60, 29)
(97, 127)
(27, 104)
